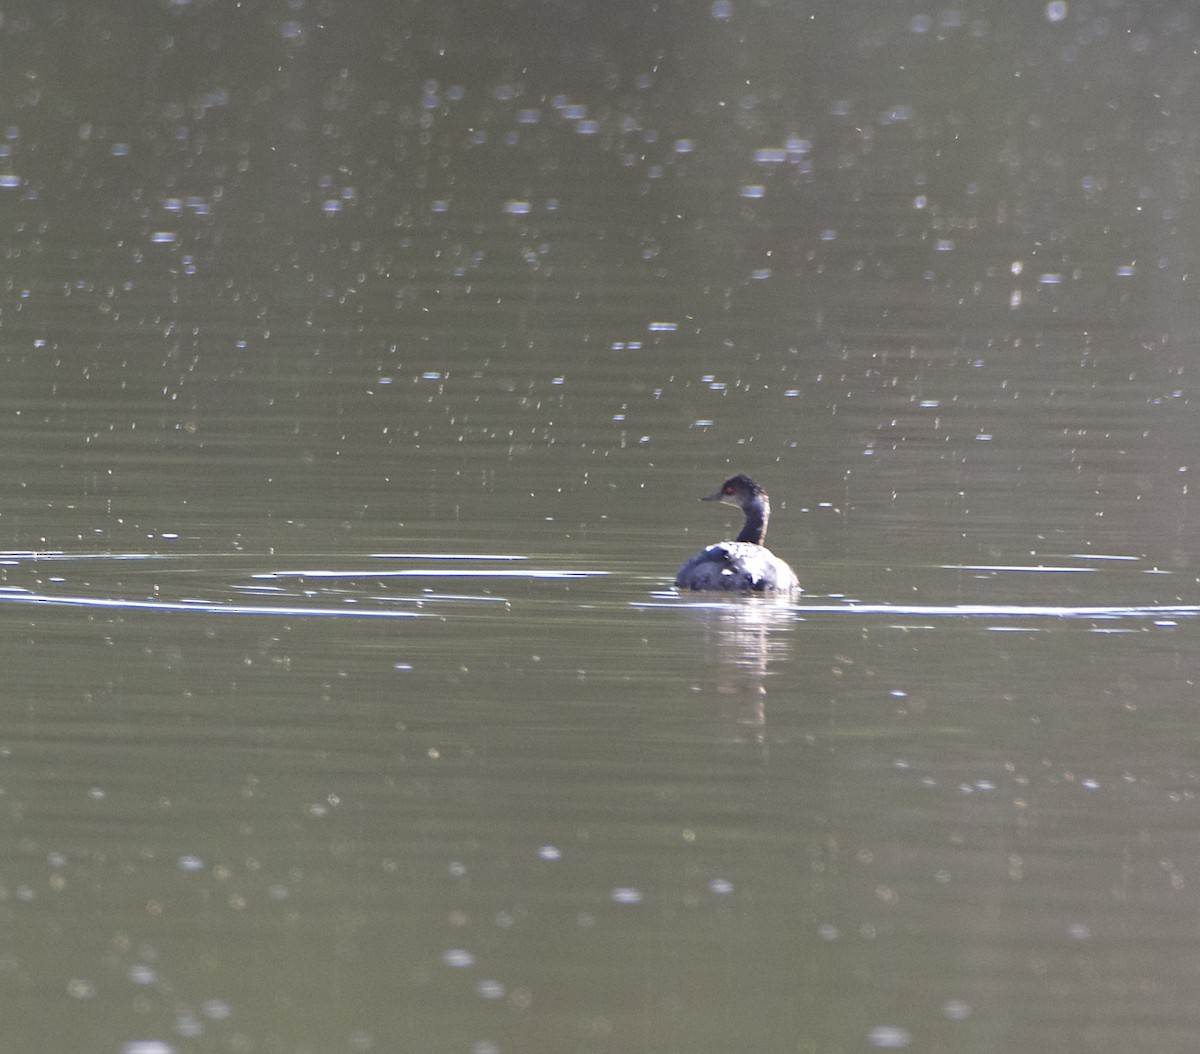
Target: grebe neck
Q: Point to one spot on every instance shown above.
(758, 511)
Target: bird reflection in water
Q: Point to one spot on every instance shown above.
(745, 637)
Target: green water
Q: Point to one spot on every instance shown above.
(361, 368)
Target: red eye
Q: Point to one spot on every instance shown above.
(728, 490)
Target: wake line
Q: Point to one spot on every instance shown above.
(1007, 610)
(966, 610)
(443, 572)
(204, 607)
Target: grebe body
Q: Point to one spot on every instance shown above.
(744, 565)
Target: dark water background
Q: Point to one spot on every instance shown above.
(360, 365)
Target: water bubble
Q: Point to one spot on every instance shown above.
(770, 156)
(77, 988)
(891, 1037)
(188, 1026)
(143, 974)
(490, 989)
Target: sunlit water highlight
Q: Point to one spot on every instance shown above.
(966, 610)
(200, 606)
(357, 603)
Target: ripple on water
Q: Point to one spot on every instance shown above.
(268, 593)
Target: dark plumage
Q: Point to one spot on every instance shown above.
(745, 564)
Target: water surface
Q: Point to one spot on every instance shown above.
(362, 369)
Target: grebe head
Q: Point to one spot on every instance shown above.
(743, 493)
(739, 491)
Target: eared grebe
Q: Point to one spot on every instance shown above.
(744, 564)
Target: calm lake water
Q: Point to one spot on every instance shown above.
(362, 367)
